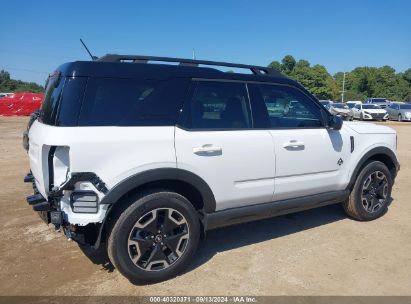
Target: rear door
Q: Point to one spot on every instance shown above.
(308, 155)
(215, 141)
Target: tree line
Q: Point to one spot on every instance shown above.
(8, 85)
(360, 83)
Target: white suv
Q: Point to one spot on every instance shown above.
(146, 157)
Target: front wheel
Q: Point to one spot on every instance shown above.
(155, 238)
(399, 118)
(371, 193)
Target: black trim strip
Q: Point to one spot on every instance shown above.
(352, 143)
(261, 211)
(51, 166)
(374, 152)
(76, 177)
(162, 174)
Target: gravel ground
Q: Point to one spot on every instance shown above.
(316, 252)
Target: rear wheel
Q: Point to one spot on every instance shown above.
(371, 193)
(155, 238)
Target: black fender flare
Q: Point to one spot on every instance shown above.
(175, 174)
(375, 151)
(139, 179)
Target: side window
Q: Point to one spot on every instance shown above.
(130, 102)
(218, 105)
(70, 102)
(51, 99)
(288, 107)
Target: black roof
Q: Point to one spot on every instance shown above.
(150, 67)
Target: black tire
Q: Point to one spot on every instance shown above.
(155, 202)
(354, 205)
(361, 117)
(399, 118)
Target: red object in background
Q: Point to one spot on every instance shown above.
(20, 104)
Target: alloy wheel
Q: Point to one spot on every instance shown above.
(158, 239)
(374, 191)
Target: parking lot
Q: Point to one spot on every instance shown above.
(316, 252)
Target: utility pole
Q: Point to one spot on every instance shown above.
(343, 88)
(194, 54)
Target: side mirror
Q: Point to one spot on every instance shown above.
(335, 122)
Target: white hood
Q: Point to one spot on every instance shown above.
(375, 110)
(368, 128)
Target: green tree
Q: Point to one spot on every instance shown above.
(288, 64)
(407, 76)
(364, 82)
(315, 78)
(11, 85)
(360, 83)
(275, 65)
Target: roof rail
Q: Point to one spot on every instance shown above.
(257, 70)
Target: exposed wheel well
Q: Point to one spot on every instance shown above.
(180, 187)
(384, 158)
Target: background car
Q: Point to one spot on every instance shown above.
(352, 103)
(341, 109)
(326, 103)
(368, 111)
(382, 102)
(6, 95)
(399, 111)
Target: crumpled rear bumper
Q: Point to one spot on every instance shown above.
(45, 207)
(50, 209)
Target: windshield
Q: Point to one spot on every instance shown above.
(370, 106)
(351, 105)
(378, 100)
(405, 106)
(340, 106)
(324, 103)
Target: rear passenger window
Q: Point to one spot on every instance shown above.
(288, 107)
(219, 105)
(70, 101)
(130, 102)
(51, 99)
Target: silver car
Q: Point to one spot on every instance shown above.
(399, 111)
(341, 109)
(382, 102)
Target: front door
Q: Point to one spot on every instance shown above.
(308, 155)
